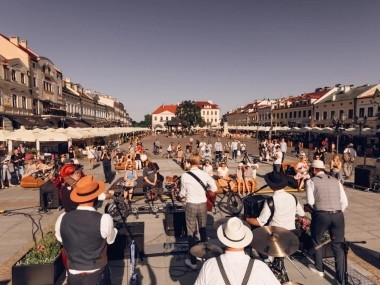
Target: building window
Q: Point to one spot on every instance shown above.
(14, 75)
(161, 119)
(309, 113)
(204, 112)
(304, 113)
(22, 78)
(47, 86)
(155, 118)
(6, 73)
(34, 82)
(290, 115)
(361, 112)
(58, 91)
(23, 102)
(317, 116)
(332, 115)
(34, 65)
(14, 100)
(299, 114)
(370, 112)
(167, 118)
(207, 113)
(211, 113)
(282, 115)
(286, 115)
(351, 113)
(295, 114)
(324, 116)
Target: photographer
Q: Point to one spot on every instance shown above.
(106, 160)
(17, 159)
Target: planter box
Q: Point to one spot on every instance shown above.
(306, 245)
(38, 274)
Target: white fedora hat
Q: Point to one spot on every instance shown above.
(234, 233)
(318, 164)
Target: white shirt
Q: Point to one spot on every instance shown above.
(235, 265)
(222, 172)
(278, 160)
(283, 146)
(285, 211)
(218, 146)
(352, 153)
(234, 145)
(107, 231)
(310, 193)
(202, 146)
(192, 189)
(91, 153)
(208, 169)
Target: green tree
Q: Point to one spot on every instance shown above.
(144, 123)
(190, 112)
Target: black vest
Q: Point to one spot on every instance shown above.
(85, 247)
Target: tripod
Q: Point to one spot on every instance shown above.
(345, 245)
(129, 231)
(245, 158)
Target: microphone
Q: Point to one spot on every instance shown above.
(322, 244)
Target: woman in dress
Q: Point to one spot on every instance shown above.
(248, 179)
(130, 179)
(71, 153)
(302, 171)
(227, 149)
(336, 168)
(240, 180)
(223, 174)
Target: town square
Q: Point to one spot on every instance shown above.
(178, 142)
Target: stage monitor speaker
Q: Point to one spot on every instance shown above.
(175, 222)
(49, 193)
(121, 248)
(364, 175)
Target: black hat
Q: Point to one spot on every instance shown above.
(276, 180)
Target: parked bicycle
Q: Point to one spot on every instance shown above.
(112, 207)
(234, 201)
(172, 154)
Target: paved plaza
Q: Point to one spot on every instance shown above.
(166, 266)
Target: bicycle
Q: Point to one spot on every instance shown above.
(113, 211)
(234, 201)
(172, 154)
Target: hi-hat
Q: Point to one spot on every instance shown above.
(206, 250)
(274, 241)
(222, 221)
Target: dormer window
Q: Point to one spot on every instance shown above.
(14, 75)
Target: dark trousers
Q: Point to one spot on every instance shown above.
(99, 277)
(195, 213)
(234, 154)
(334, 223)
(283, 156)
(107, 172)
(277, 167)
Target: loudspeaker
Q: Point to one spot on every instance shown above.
(175, 222)
(364, 175)
(49, 195)
(121, 248)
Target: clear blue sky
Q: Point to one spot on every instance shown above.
(146, 53)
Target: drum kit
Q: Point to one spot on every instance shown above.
(269, 240)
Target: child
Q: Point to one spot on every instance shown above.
(255, 167)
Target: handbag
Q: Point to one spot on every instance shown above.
(211, 196)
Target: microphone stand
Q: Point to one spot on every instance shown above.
(128, 229)
(345, 245)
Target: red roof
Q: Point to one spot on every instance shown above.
(163, 108)
(201, 104)
(31, 54)
(313, 95)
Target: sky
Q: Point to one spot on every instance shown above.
(151, 52)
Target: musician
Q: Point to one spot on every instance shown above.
(196, 209)
(235, 263)
(328, 199)
(85, 234)
(286, 205)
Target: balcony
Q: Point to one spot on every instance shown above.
(17, 111)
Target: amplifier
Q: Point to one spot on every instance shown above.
(175, 222)
(121, 249)
(364, 175)
(49, 195)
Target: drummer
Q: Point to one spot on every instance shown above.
(234, 262)
(286, 205)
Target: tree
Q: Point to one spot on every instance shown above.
(190, 112)
(145, 123)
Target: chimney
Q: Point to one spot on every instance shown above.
(75, 87)
(334, 97)
(24, 44)
(68, 80)
(14, 40)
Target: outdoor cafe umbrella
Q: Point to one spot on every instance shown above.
(3, 134)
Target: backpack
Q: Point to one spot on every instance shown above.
(271, 207)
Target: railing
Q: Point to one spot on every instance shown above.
(17, 111)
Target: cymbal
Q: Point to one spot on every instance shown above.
(206, 250)
(274, 241)
(222, 221)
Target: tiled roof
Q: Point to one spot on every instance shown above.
(201, 104)
(313, 95)
(163, 108)
(66, 90)
(85, 96)
(349, 95)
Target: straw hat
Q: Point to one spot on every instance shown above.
(234, 233)
(87, 189)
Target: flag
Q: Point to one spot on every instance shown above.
(376, 94)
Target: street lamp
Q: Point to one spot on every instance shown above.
(360, 124)
(338, 127)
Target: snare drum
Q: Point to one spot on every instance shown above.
(253, 205)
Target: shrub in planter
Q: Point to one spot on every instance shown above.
(41, 265)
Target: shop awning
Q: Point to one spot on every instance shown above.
(29, 121)
(90, 122)
(76, 123)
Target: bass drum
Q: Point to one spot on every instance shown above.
(253, 205)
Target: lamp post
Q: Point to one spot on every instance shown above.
(338, 124)
(360, 124)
